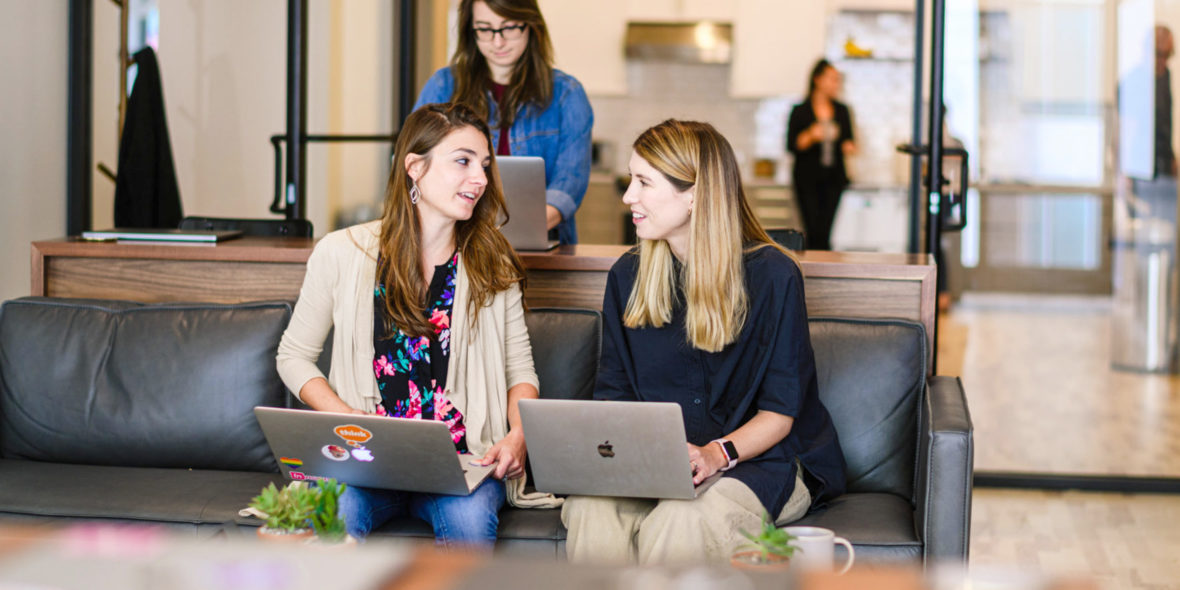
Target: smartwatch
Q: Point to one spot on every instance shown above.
(730, 451)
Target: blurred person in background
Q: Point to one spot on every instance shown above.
(819, 136)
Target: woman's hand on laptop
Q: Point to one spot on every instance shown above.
(510, 453)
(704, 461)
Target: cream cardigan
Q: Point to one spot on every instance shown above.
(487, 358)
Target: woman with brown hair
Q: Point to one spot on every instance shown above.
(423, 302)
(503, 69)
(708, 313)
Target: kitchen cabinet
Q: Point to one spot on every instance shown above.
(874, 5)
(680, 10)
(603, 215)
(775, 45)
(588, 42)
(775, 42)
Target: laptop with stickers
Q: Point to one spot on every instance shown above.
(607, 448)
(369, 451)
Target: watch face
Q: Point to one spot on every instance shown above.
(731, 450)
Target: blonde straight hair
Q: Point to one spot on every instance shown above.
(722, 227)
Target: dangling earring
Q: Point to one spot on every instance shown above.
(415, 194)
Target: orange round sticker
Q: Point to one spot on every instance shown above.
(353, 434)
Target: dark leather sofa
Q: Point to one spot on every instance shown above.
(118, 411)
(907, 440)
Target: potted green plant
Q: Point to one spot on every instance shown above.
(770, 549)
(326, 521)
(286, 511)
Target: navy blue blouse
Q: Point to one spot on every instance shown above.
(770, 366)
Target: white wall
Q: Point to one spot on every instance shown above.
(223, 69)
(33, 46)
(222, 66)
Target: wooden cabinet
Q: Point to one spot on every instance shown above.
(601, 216)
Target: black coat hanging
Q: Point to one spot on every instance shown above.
(146, 191)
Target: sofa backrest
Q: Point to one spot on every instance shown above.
(566, 345)
(871, 377)
(120, 383)
(872, 374)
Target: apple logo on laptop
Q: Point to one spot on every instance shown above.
(606, 449)
(362, 454)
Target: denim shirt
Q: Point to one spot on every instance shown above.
(560, 134)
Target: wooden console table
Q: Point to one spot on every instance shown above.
(842, 284)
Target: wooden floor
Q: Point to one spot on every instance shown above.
(1043, 398)
(1043, 395)
(1119, 541)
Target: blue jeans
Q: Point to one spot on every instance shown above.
(457, 520)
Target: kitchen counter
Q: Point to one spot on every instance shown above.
(840, 284)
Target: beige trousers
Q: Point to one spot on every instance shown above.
(704, 530)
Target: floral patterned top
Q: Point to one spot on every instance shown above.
(412, 372)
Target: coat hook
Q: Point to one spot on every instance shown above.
(107, 172)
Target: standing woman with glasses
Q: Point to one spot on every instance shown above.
(819, 135)
(503, 69)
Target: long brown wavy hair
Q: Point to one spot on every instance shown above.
(532, 78)
(488, 260)
(722, 226)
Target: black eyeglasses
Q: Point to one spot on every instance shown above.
(508, 33)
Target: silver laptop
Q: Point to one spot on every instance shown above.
(601, 448)
(204, 236)
(369, 451)
(523, 178)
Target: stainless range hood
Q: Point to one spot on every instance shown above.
(703, 42)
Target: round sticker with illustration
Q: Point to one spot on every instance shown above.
(335, 452)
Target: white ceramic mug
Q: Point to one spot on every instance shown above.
(816, 548)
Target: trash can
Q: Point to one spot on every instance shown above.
(1144, 314)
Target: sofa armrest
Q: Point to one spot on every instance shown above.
(943, 474)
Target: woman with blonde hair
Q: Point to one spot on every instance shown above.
(707, 312)
(503, 68)
(429, 324)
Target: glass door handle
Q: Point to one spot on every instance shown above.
(954, 198)
(957, 198)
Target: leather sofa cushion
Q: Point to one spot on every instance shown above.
(871, 377)
(116, 383)
(879, 526)
(127, 493)
(566, 345)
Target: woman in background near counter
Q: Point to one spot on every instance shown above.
(819, 135)
(707, 312)
(503, 68)
(429, 325)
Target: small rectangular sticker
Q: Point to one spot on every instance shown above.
(289, 462)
